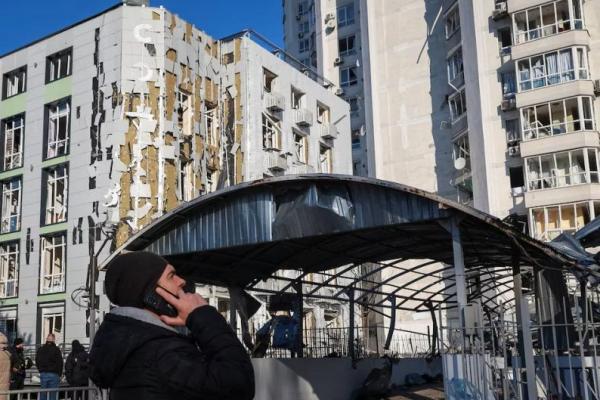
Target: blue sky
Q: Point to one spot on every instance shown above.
(217, 17)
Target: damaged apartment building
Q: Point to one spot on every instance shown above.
(120, 118)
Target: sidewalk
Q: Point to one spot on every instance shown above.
(434, 391)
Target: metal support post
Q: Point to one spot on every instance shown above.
(299, 311)
(350, 293)
(524, 329)
(392, 327)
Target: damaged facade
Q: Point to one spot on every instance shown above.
(118, 119)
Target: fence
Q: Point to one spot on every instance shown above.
(70, 393)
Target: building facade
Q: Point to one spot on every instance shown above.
(118, 119)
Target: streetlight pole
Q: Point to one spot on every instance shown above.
(92, 278)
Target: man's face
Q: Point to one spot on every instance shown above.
(170, 281)
(50, 338)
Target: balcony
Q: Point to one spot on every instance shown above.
(554, 92)
(303, 117)
(328, 131)
(297, 169)
(561, 142)
(518, 5)
(560, 195)
(551, 42)
(274, 161)
(274, 101)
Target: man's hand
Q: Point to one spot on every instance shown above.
(185, 304)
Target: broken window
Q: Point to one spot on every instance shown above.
(455, 65)
(11, 205)
(354, 106)
(59, 65)
(513, 135)
(452, 22)
(58, 128)
(55, 181)
(562, 116)
(211, 181)
(13, 130)
(8, 323)
(14, 82)
(323, 114)
(297, 99)
(547, 19)
(210, 122)
(271, 132)
(325, 162)
(355, 138)
(346, 45)
(517, 180)
(504, 39)
(52, 321)
(187, 178)
(268, 80)
(348, 76)
(458, 105)
(185, 113)
(509, 85)
(53, 250)
(345, 15)
(552, 68)
(9, 269)
(562, 169)
(303, 27)
(461, 150)
(550, 222)
(300, 148)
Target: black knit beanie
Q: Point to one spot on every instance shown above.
(129, 275)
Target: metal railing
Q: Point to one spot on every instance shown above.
(66, 393)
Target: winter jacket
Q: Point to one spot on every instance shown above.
(18, 366)
(49, 359)
(137, 356)
(77, 368)
(4, 366)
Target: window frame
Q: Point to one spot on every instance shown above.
(18, 73)
(542, 31)
(553, 129)
(50, 66)
(45, 206)
(349, 82)
(271, 133)
(454, 68)
(550, 180)
(454, 11)
(328, 153)
(452, 104)
(550, 234)
(4, 130)
(42, 276)
(57, 114)
(52, 307)
(5, 280)
(12, 191)
(345, 18)
(349, 51)
(301, 149)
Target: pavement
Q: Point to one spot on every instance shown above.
(433, 391)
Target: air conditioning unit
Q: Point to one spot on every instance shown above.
(514, 151)
(298, 17)
(330, 24)
(597, 87)
(329, 131)
(301, 35)
(508, 104)
(338, 61)
(339, 92)
(274, 101)
(517, 191)
(500, 11)
(329, 17)
(303, 117)
(275, 162)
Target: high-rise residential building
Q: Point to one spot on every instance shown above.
(118, 119)
(491, 103)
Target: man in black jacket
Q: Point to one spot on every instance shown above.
(50, 364)
(139, 352)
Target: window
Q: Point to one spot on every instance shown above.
(517, 179)
(304, 45)
(300, 148)
(552, 68)
(55, 191)
(547, 19)
(549, 222)
(460, 149)
(567, 168)
(509, 85)
(8, 323)
(345, 15)
(59, 65)
(271, 132)
(555, 118)
(58, 117)
(212, 133)
(348, 77)
(504, 39)
(455, 65)
(323, 114)
(14, 82)
(354, 106)
(325, 164)
(356, 139)
(268, 80)
(11, 206)
(303, 27)
(458, 105)
(297, 99)
(452, 22)
(303, 7)
(13, 131)
(346, 46)
(9, 269)
(513, 135)
(185, 113)
(52, 320)
(186, 181)
(53, 263)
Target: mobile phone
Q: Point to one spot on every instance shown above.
(156, 303)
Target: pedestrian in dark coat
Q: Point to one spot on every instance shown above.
(77, 367)
(49, 362)
(139, 352)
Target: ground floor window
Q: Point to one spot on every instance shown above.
(8, 323)
(52, 320)
(9, 269)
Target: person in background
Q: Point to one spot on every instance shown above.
(49, 362)
(4, 366)
(18, 365)
(77, 368)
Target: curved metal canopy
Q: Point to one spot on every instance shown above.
(328, 224)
